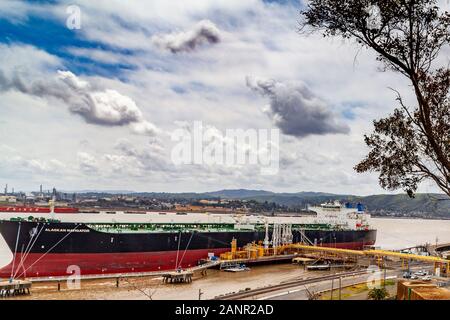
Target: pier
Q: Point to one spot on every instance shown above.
(254, 253)
(182, 276)
(14, 288)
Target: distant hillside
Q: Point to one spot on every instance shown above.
(167, 195)
(294, 201)
(423, 205)
(93, 191)
(247, 194)
(239, 193)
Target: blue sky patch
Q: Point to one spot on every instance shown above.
(52, 36)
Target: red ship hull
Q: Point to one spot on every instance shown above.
(64, 264)
(66, 210)
(58, 264)
(38, 209)
(25, 209)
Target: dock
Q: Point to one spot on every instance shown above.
(182, 276)
(185, 275)
(303, 260)
(14, 288)
(258, 260)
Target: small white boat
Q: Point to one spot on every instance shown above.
(318, 267)
(238, 268)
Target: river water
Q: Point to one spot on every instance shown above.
(403, 233)
(391, 234)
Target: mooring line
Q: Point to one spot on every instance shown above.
(24, 253)
(37, 260)
(28, 250)
(178, 250)
(192, 234)
(15, 249)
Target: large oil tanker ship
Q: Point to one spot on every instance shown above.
(162, 241)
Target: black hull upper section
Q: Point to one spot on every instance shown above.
(79, 238)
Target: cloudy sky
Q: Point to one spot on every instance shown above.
(94, 107)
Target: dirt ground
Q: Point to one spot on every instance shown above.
(215, 283)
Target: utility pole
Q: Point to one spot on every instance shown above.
(332, 283)
(340, 287)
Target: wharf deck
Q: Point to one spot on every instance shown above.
(201, 267)
(178, 277)
(14, 288)
(261, 260)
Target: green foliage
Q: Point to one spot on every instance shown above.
(378, 294)
(413, 143)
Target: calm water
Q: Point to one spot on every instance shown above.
(391, 234)
(403, 233)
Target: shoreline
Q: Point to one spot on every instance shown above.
(214, 284)
(410, 218)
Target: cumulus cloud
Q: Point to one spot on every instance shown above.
(102, 107)
(125, 159)
(204, 32)
(295, 109)
(87, 162)
(15, 164)
(144, 128)
(107, 107)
